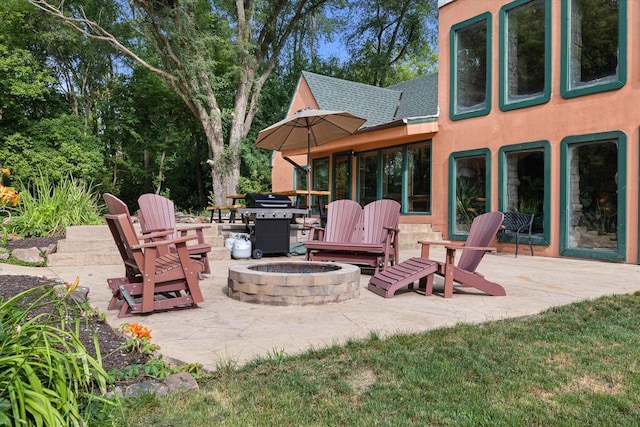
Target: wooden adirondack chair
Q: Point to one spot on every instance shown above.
(157, 213)
(344, 222)
(153, 281)
(375, 243)
(483, 229)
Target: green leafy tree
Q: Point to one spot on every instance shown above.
(391, 41)
(216, 56)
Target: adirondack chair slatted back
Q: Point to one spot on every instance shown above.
(115, 205)
(344, 217)
(158, 213)
(377, 215)
(483, 229)
(118, 207)
(125, 237)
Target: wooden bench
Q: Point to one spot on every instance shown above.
(231, 208)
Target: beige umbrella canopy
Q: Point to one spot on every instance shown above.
(306, 128)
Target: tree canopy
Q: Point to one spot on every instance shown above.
(151, 95)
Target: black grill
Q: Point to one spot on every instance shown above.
(270, 216)
(274, 201)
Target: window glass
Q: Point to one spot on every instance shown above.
(525, 41)
(471, 56)
(400, 173)
(368, 185)
(525, 184)
(301, 179)
(593, 195)
(341, 176)
(593, 53)
(419, 179)
(320, 172)
(470, 190)
(392, 174)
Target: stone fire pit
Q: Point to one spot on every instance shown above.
(293, 283)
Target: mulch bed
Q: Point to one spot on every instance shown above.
(110, 342)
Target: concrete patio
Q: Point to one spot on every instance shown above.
(223, 329)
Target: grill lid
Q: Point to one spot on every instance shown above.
(272, 201)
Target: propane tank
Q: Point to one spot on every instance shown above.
(241, 248)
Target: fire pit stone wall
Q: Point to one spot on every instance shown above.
(294, 283)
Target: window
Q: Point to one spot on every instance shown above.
(593, 196)
(399, 173)
(469, 174)
(392, 174)
(525, 54)
(593, 46)
(524, 182)
(471, 68)
(341, 176)
(368, 177)
(320, 174)
(419, 179)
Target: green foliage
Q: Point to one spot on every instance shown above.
(58, 146)
(389, 42)
(45, 371)
(48, 208)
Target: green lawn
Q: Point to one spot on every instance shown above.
(572, 365)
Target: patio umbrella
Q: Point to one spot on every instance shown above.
(308, 127)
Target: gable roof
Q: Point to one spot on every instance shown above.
(414, 98)
(376, 104)
(419, 97)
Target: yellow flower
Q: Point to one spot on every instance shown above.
(72, 286)
(5, 171)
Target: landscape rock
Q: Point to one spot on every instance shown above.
(51, 249)
(183, 380)
(31, 255)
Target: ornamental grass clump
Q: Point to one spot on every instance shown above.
(49, 207)
(46, 374)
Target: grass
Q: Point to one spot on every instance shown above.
(572, 365)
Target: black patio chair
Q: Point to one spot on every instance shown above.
(521, 224)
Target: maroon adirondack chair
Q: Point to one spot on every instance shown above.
(375, 243)
(153, 281)
(344, 224)
(157, 213)
(483, 229)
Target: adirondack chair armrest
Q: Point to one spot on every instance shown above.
(154, 234)
(191, 227)
(159, 243)
(313, 229)
(426, 245)
(392, 229)
(474, 248)
(183, 229)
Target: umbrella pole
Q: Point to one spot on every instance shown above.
(309, 169)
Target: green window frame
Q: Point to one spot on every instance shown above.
(503, 197)
(510, 75)
(566, 203)
(407, 201)
(453, 233)
(461, 34)
(569, 88)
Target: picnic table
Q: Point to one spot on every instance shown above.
(232, 208)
